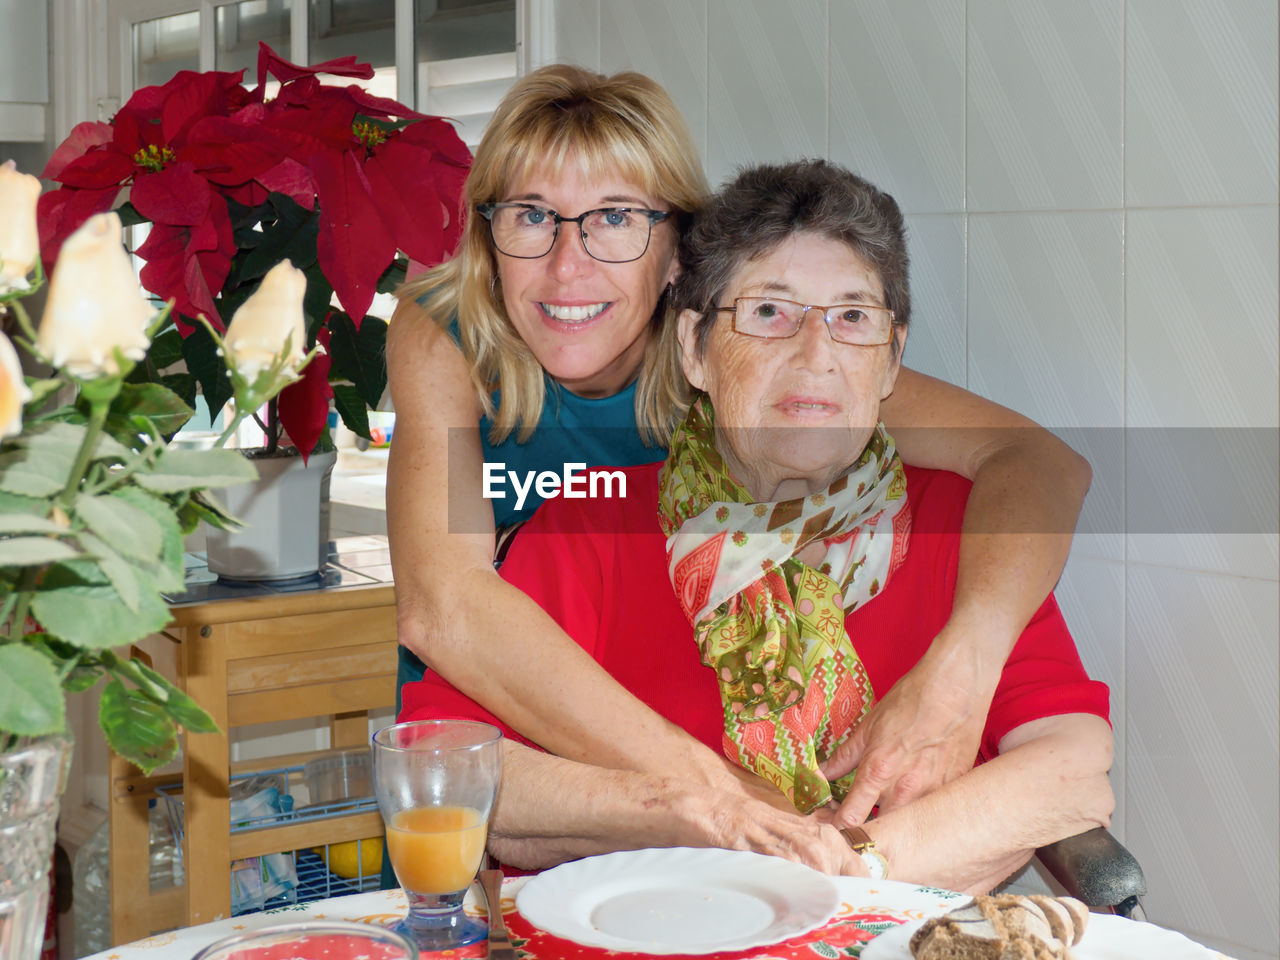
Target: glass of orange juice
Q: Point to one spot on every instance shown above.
(436, 781)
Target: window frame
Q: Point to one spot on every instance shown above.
(535, 31)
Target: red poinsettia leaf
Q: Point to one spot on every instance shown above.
(61, 212)
(270, 62)
(82, 138)
(354, 246)
(449, 179)
(296, 93)
(190, 97)
(292, 179)
(174, 195)
(144, 104)
(213, 243)
(375, 106)
(438, 134)
(130, 131)
(304, 405)
(320, 124)
(230, 153)
(394, 172)
(164, 252)
(99, 168)
(247, 194)
(190, 264)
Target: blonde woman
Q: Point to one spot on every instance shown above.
(546, 342)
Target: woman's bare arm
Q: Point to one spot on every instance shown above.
(1028, 488)
(551, 809)
(482, 634)
(1049, 782)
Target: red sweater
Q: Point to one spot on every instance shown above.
(599, 567)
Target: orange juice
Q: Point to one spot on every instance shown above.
(436, 849)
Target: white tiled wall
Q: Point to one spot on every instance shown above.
(1091, 190)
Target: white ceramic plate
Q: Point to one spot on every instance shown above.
(678, 900)
(1106, 937)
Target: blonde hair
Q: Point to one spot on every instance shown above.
(624, 125)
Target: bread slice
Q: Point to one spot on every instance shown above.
(1060, 920)
(1003, 927)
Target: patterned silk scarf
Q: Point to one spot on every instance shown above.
(772, 628)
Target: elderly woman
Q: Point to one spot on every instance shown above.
(781, 569)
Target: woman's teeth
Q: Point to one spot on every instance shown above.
(575, 314)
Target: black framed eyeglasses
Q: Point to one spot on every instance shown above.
(609, 234)
(772, 318)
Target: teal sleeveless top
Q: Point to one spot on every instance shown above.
(572, 431)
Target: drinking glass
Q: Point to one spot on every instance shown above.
(328, 940)
(436, 781)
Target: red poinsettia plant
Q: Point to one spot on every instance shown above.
(348, 186)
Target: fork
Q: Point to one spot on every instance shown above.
(500, 947)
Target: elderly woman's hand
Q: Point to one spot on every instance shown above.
(922, 734)
(762, 828)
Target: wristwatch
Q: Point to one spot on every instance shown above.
(862, 844)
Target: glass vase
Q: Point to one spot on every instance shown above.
(33, 774)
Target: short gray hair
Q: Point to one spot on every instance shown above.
(765, 205)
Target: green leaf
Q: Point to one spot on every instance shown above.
(181, 707)
(211, 510)
(393, 276)
(129, 215)
(203, 363)
(316, 302)
(291, 237)
(168, 573)
(133, 532)
(91, 614)
(177, 470)
(156, 403)
(58, 438)
(31, 700)
(28, 475)
(182, 384)
(360, 356)
(352, 409)
(23, 522)
(122, 574)
(53, 438)
(137, 729)
(42, 390)
(165, 349)
(81, 679)
(34, 551)
(13, 504)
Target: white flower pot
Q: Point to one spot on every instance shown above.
(286, 521)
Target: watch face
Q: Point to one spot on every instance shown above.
(876, 864)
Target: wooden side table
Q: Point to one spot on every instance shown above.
(256, 655)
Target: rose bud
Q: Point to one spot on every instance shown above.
(256, 336)
(13, 389)
(19, 242)
(95, 305)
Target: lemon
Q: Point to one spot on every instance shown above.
(355, 858)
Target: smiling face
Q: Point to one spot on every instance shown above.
(586, 321)
(792, 415)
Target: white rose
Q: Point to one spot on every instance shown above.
(13, 389)
(19, 241)
(95, 305)
(257, 333)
